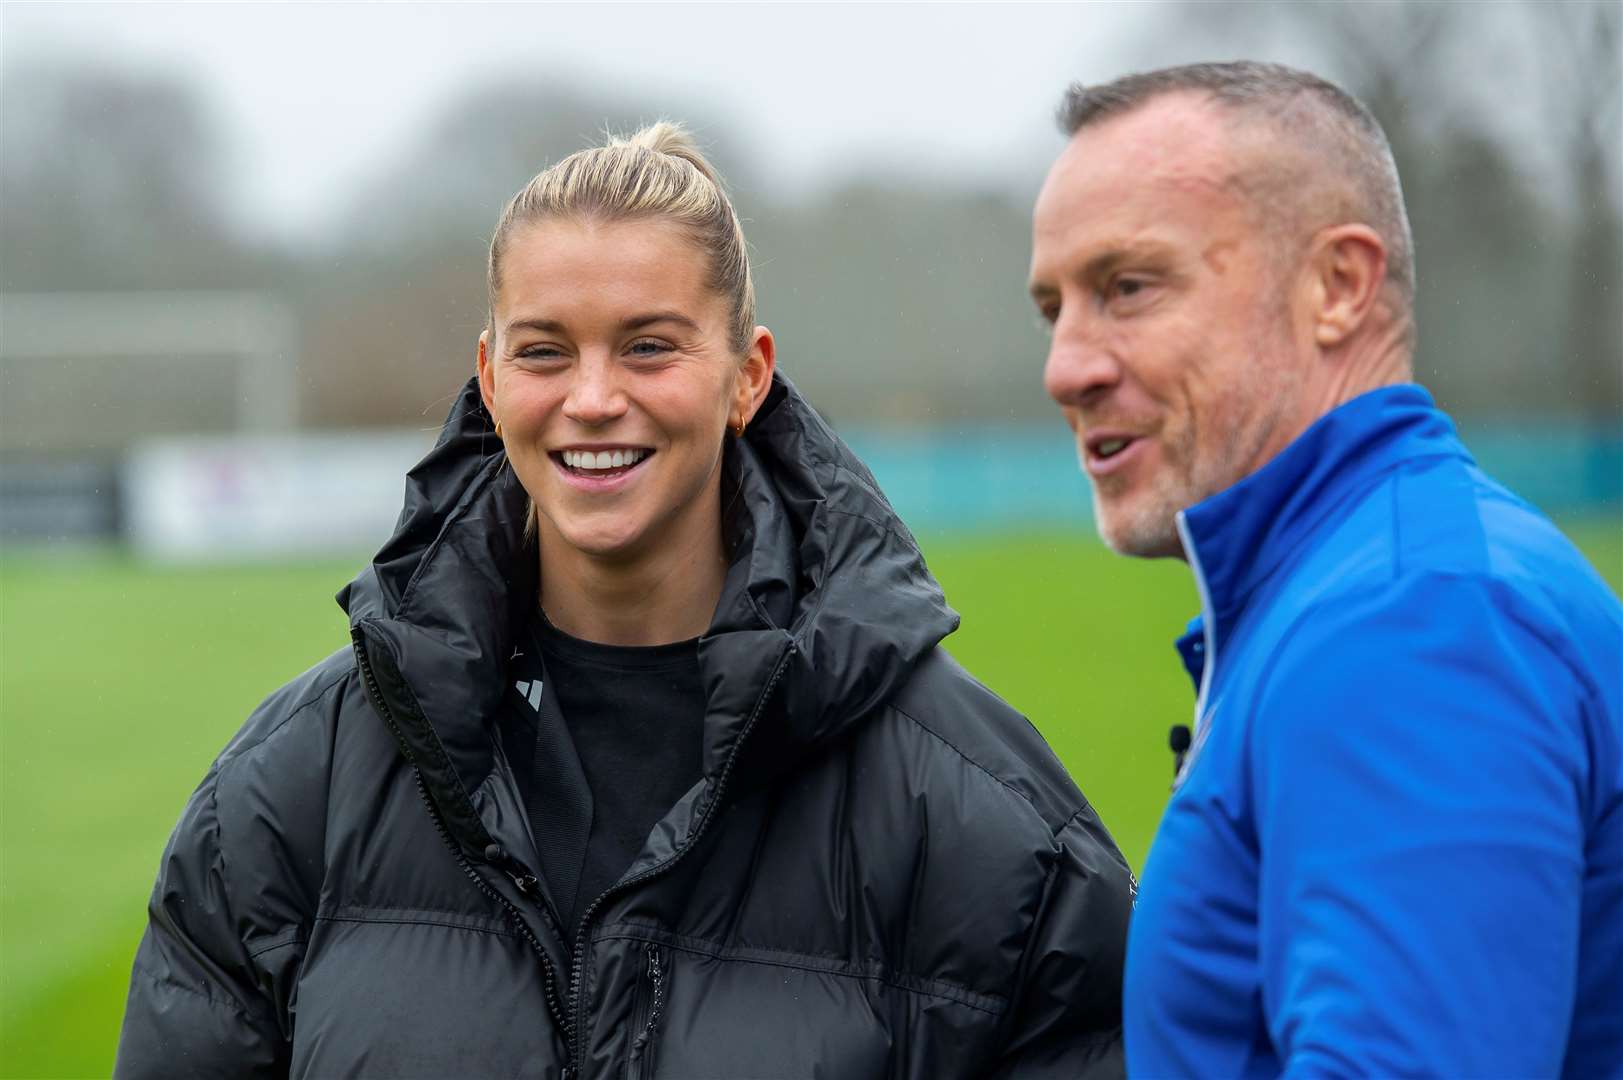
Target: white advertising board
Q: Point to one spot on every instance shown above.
(222, 498)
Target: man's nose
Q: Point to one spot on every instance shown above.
(595, 396)
(1080, 366)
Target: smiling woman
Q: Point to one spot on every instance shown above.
(612, 371)
(645, 759)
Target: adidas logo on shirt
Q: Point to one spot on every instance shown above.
(530, 691)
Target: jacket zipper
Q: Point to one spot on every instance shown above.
(525, 883)
(1208, 670)
(581, 933)
(645, 1020)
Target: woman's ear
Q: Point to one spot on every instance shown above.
(755, 377)
(487, 373)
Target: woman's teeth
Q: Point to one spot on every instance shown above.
(602, 459)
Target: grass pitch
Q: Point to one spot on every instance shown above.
(119, 683)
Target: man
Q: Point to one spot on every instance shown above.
(1396, 846)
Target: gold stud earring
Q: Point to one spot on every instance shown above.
(498, 429)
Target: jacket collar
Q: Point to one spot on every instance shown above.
(1236, 539)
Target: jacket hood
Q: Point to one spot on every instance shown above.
(827, 598)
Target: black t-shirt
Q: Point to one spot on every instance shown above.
(632, 742)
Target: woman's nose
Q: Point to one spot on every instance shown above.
(595, 396)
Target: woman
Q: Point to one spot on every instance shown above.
(645, 761)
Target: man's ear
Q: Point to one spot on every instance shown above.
(1347, 267)
(755, 377)
(487, 373)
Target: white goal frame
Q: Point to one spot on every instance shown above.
(256, 330)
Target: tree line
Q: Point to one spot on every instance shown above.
(894, 302)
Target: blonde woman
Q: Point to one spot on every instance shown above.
(646, 760)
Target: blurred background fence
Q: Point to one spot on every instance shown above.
(241, 275)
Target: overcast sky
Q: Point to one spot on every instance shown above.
(315, 97)
(815, 90)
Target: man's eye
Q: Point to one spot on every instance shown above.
(1127, 287)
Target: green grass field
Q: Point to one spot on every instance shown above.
(119, 683)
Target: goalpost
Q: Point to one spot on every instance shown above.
(61, 347)
(169, 421)
(85, 377)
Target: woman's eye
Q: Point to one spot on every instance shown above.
(538, 352)
(648, 348)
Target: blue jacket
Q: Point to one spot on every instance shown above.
(1397, 845)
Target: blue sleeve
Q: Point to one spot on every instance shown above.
(1418, 769)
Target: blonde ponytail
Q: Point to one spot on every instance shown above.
(657, 172)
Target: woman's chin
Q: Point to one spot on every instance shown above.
(610, 542)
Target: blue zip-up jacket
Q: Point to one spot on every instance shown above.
(1396, 848)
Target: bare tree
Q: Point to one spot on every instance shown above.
(110, 180)
(1519, 277)
(1585, 110)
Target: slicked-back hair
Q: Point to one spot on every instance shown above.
(657, 173)
(1330, 125)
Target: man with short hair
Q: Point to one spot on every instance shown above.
(1396, 844)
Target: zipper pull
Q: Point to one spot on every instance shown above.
(656, 977)
(526, 882)
(652, 951)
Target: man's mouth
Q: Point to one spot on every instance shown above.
(601, 464)
(1105, 447)
(1108, 453)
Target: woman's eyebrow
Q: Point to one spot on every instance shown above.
(637, 322)
(540, 326)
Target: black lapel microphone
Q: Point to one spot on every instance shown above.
(1179, 739)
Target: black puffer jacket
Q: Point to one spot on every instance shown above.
(884, 872)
